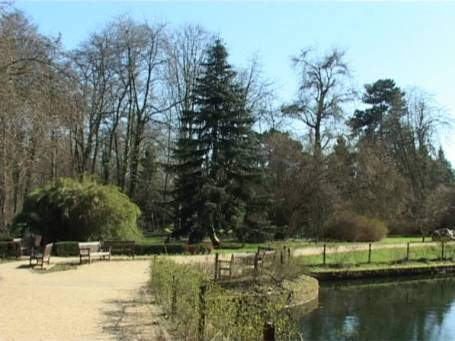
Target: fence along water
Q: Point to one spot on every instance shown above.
(381, 253)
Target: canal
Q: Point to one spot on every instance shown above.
(400, 310)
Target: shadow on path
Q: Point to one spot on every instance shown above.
(133, 318)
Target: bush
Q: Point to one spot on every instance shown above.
(8, 249)
(73, 210)
(231, 246)
(352, 227)
(66, 249)
(198, 249)
(5, 235)
(230, 314)
(159, 249)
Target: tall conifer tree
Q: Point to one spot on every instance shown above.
(217, 153)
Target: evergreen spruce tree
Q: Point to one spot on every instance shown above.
(217, 154)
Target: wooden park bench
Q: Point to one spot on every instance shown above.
(89, 250)
(121, 247)
(41, 257)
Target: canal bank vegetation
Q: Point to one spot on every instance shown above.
(381, 260)
(242, 309)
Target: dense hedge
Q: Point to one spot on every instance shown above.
(8, 249)
(5, 235)
(73, 210)
(351, 227)
(66, 249)
(177, 289)
(157, 249)
(71, 248)
(232, 246)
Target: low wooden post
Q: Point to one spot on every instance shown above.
(369, 253)
(216, 266)
(289, 253)
(174, 297)
(231, 266)
(153, 266)
(407, 252)
(442, 250)
(201, 326)
(281, 257)
(269, 331)
(323, 256)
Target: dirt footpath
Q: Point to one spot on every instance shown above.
(98, 301)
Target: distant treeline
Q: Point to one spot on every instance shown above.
(208, 149)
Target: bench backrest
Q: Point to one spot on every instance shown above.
(92, 246)
(48, 250)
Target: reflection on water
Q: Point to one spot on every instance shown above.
(411, 310)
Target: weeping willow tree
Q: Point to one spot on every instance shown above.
(73, 210)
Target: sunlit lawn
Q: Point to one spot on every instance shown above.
(390, 256)
(292, 243)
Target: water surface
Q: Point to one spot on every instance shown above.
(404, 310)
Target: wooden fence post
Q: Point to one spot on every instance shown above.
(323, 257)
(153, 267)
(201, 327)
(369, 253)
(269, 331)
(216, 266)
(442, 250)
(174, 297)
(407, 252)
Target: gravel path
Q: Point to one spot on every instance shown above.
(98, 301)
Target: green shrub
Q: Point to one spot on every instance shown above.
(351, 227)
(8, 249)
(229, 314)
(231, 246)
(66, 249)
(73, 210)
(5, 235)
(160, 249)
(198, 249)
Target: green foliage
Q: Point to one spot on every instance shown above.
(229, 313)
(7, 249)
(73, 210)
(71, 248)
(217, 154)
(5, 235)
(386, 102)
(160, 249)
(348, 226)
(199, 248)
(232, 246)
(66, 249)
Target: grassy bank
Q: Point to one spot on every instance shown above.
(292, 243)
(370, 271)
(337, 256)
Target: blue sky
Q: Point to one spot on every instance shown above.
(413, 43)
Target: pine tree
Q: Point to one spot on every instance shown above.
(387, 104)
(217, 153)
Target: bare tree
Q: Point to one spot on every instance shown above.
(323, 89)
(260, 96)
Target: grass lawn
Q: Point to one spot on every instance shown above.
(292, 243)
(390, 256)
